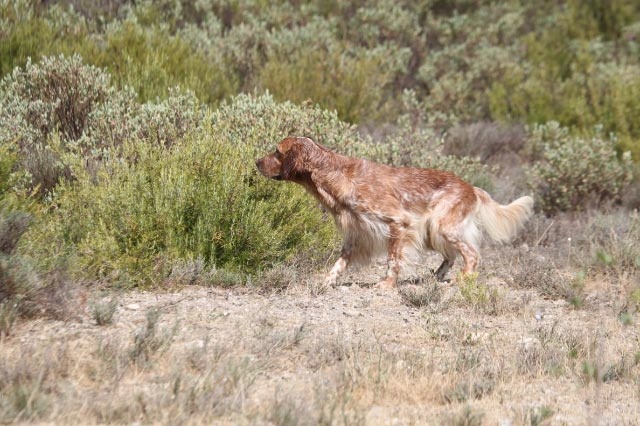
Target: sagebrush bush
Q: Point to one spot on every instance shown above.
(55, 95)
(576, 172)
(484, 140)
(527, 63)
(18, 281)
(42, 101)
(102, 311)
(168, 121)
(61, 111)
(263, 121)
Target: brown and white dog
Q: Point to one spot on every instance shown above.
(397, 211)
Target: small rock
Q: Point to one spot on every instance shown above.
(133, 306)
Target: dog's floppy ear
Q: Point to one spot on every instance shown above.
(291, 161)
(297, 157)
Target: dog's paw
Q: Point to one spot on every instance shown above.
(330, 280)
(386, 284)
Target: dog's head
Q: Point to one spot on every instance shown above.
(291, 159)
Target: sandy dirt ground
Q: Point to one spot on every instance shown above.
(352, 354)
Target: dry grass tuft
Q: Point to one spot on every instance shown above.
(534, 416)
(467, 416)
(102, 311)
(427, 295)
(279, 278)
(550, 282)
(346, 356)
(148, 340)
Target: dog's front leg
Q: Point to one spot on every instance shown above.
(339, 267)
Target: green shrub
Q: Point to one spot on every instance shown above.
(27, 37)
(8, 159)
(199, 199)
(479, 295)
(151, 61)
(576, 172)
(308, 64)
(571, 70)
(202, 199)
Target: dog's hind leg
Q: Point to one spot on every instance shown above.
(462, 236)
(446, 264)
(468, 251)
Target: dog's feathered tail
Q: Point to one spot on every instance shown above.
(501, 223)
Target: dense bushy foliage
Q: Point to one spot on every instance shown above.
(199, 199)
(62, 106)
(55, 97)
(572, 62)
(576, 172)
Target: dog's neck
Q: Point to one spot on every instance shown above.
(334, 190)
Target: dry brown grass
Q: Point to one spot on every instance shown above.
(432, 353)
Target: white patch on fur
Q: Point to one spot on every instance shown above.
(365, 233)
